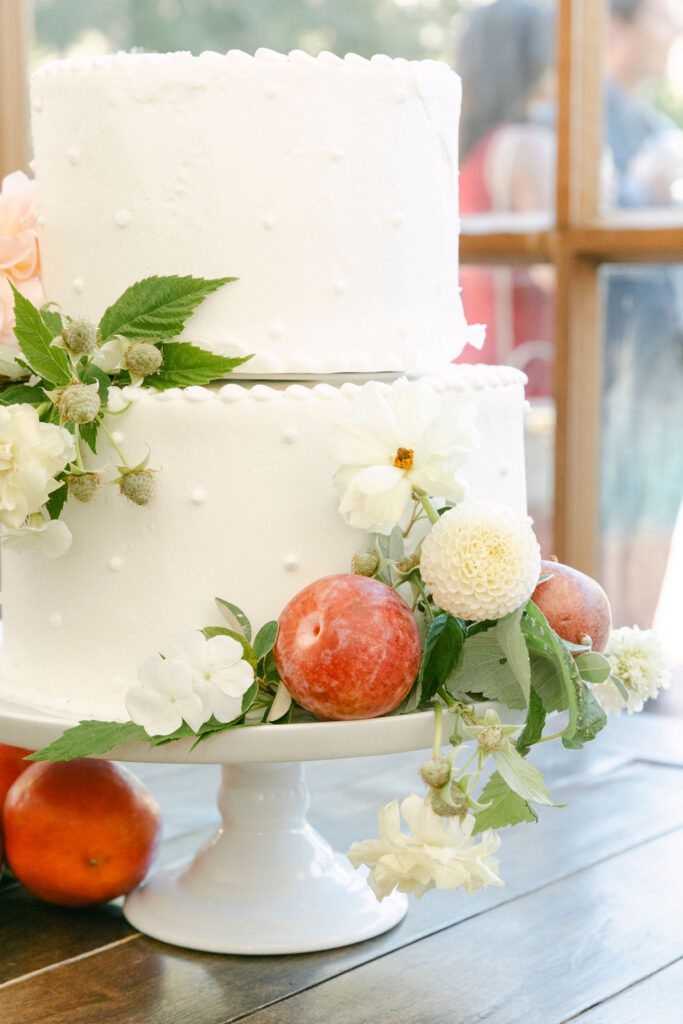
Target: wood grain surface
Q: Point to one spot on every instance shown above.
(588, 926)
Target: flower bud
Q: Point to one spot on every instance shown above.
(138, 485)
(365, 563)
(80, 337)
(408, 563)
(491, 738)
(436, 772)
(441, 806)
(142, 358)
(83, 486)
(79, 403)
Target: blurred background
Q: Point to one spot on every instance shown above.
(505, 51)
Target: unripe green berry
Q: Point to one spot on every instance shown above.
(79, 403)
(83, 486)
(407, 563)
(138, 486)
(365, 563)
(143, 358)
(443, 808)
(436, 772)
(80, 337)
(491, 738)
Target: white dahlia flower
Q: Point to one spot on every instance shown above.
(637, 659)
(439, 853)
(31, 454)
(481, 560)
(400, 438)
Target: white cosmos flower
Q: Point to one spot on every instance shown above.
(638, 660)
(439, 853)
(165, 698)
(50, 537)
(399, 438)
(220, 675)
(31, 454)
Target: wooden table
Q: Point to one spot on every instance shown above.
(589, 927)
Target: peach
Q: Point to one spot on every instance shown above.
(348, 647)
(574, 604)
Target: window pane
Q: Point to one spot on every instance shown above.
(644, 104)
(642, 450)
(516, 304)
(505, 55)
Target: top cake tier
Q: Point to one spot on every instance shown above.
(327, 186)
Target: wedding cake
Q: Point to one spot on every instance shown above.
(328, 188)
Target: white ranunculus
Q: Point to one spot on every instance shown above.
(50, 537)
(439, 853)
(638, 660)
(220, 675)
(400, 438)
(165, 697)
(31, 454)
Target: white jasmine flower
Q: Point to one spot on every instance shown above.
(31, 454)
(439, 852)
(50, 537)
(165, 698)
(637, 659)
(220, 675)
(406, 437)
(481, 560)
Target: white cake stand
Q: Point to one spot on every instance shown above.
(266, 882)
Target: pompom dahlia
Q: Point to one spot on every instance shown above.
(481, 560)
(637, 658)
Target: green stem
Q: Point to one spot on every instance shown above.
(426, 503)
(555, 736)
(77, 446)
(449, 700)
(114, 444)
(438, 725)
(425, 598)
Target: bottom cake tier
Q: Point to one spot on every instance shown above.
(244, 509)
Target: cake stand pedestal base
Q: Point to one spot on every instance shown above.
(266, 882)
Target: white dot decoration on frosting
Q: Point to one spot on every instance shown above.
(402, 331)
(38, 104)
(56, 620)
(271, 91)
(122, 218)
(78, 285)
(291, 563)
(198, 497)
(396, 219)
(399, 95)
(339, 287)
(504, 469)
(276, 331)
(115, 563)
(73, 156)
(117, 436)
(336, 154)
(40, 220)
(269, 221)
(290, 435)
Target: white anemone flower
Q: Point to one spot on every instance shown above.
(638, 660)
(50, 537)
(400, 438)
(439, 853)
(165, 698)
(220, 675)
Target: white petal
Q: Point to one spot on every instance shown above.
(222, 652)
(352, 445)
(415, 405)
(191, 648)
(156, 715)
(223, 707)
(235, 680)
(372, 410)
(110, 355)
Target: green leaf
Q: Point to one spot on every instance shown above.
(533, 727)
(513, 643)
(89, 737)
(547, 681)
(55, 503)
(53, 320)
(264, 640)
(507, 807)
(157, 307)
(249, 651)
(185, 364)
(593, 667)
(590, 719)
(485, 669)
(35, 337)
(89, 374)
(281, 706)
(544, 641)
(521, 775)
(234, 614)
(19, 394)
(443, 645)
(620, 686)
(249, 696)
(88, 432)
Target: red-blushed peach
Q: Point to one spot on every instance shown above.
(348, 647)
(574, 604)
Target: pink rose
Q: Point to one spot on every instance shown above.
(19, 252)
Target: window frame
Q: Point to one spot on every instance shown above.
(577, 244)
